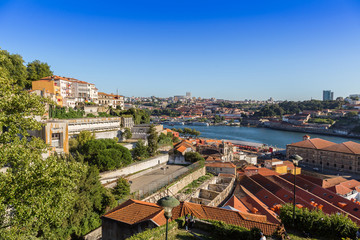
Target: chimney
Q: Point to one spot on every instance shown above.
(306, 137)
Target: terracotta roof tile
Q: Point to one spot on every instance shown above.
(221, 165)
(133, 211)
(316, 143)
(340, 189)
(346, 147)
(267, 172)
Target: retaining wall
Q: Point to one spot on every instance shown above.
(133, 168)
(174, 189)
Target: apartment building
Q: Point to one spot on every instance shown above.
(111, 100)
(72, 90)
(48, 88)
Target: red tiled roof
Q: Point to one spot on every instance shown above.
(134, 211)
(220, 165)
(316, 143)
(346, 147)
(237, 204)
(228, 216)
(251, 168)
(267, 172)
(350, 184)
(340, 189)
(181, 149)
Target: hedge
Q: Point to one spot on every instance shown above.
(317, 223)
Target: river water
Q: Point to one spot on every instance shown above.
(271, 137)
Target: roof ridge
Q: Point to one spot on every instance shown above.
(348, 147)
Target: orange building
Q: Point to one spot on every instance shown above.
(50, 87)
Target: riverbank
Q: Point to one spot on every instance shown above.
(293, 128)
(259, 135)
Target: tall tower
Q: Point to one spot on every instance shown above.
(188, 95)
(328, 95)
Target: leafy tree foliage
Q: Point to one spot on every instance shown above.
(122, 189)
(65, 113)
(152, 141)
(166, 112)
(40, 198)
(84, 137)
(91, 202)
(139, 115)
(37, 70)
(187, 132)
(165, 139)
(193, 157)
(12, 68)
(106, 154)
(335, 226)
(290, 107)
(37, 195)
(140, 151)
(127, 133)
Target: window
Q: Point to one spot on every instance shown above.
(350, 168)
(266, 197)
(325, 194)
(313, 161)
(331, 196)
(285, 195)
(327, 164)
(334, 164)
(356, 209)
(311, 199)
(342, 166)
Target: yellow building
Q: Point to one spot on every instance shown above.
(49, 86)
(286, 167)
(281, 168)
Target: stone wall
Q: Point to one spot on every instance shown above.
(132, 168)
(94, 235)
(174, 189)
(213, 192)
(223, 195)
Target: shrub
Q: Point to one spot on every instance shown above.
(334, 226)
(122, 189)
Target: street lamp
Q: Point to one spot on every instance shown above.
(295, 159)
(168, 203)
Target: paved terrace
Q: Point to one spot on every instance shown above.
(156, 179)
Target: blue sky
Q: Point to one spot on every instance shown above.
(253, 49)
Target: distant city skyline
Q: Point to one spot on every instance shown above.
(233, 50)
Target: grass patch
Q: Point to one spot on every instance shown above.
(196, 183)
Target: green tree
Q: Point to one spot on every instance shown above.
(152, 141)
(84, 137)
(122, 189)
(165, 139)
(127, 133)
(193, 157)
(37, 70)
(91, 203)
(39, 193)
(140, 151)
(12, 69)
(105, 154)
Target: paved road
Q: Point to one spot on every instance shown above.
(156, 179)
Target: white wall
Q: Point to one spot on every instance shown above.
(135, 167)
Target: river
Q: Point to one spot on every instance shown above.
(271, 137)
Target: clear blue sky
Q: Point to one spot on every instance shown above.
(254, 49)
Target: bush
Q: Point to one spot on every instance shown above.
(122, 189)
(193, 157)
(106, 154)
(334, 226)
